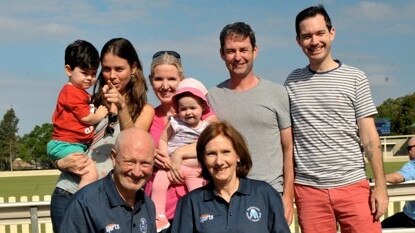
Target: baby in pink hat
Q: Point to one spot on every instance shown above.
(190, 103)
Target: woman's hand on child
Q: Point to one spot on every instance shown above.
(74, 163)
(162, 160)
(174, 174)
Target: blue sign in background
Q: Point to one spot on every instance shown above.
(383, 125)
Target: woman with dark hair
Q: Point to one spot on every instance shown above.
(230, 202)
(122, 88)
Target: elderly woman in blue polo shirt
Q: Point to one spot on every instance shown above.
(230, 202)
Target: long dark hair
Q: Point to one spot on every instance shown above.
(136, 89)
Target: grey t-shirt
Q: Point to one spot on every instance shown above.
(258, 114)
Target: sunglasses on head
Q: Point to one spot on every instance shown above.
(410, 147)
(112, 119)
(169, 52)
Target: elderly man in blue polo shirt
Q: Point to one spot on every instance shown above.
(406, 218)
(117, 203)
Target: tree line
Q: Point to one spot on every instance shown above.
(32, 146)
(401, 113)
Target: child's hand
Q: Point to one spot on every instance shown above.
(101, 112)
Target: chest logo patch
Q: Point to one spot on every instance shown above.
(111, 227)
(253, 213)
(143, 225)
(205, 217)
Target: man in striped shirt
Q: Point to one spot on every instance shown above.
(333, 125)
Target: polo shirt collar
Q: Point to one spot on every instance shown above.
(243, 189)
(114, 197)
(244, 186)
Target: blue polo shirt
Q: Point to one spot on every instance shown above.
(408, 173)
(98, 207)
(255, 207)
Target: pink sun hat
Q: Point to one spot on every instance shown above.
(195, 88)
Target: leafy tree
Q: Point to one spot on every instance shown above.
(33, 145)
(406, 116)
(401, 111)
(8, 138)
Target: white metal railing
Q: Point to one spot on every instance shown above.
(25, 216)
(34, 216)
(399, 193)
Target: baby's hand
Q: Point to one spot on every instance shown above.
(102, 111)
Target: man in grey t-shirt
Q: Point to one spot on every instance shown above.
(258, 109)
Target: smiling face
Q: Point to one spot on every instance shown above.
(81, 78)
(315, 39)
(165, 80)
(190, 110)
(221, 160)
(238, 55)
(132, 170)
(133, 163)
(117, 71)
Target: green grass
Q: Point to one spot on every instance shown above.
(44, 185)
(27, 186)
(389, 168)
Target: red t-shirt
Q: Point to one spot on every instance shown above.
(72, 105)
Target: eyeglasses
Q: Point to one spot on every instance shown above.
(409, 147)
(112, 119)
(169, 52)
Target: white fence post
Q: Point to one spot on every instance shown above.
(33, 216)
(48, 225)
(25, 227)
(2, 227)
(13, 227)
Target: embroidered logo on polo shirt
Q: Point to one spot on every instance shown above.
(111, 227)
(253, 213)
(204, 217)
(143, 225)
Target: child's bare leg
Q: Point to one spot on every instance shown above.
(159, 191)
(190, 162)
(192, 177)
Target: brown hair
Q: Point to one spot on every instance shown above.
(238, 142)
(136, 89)
(237, 30)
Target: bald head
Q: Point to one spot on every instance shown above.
(134, 138)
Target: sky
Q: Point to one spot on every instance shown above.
(374, 36)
